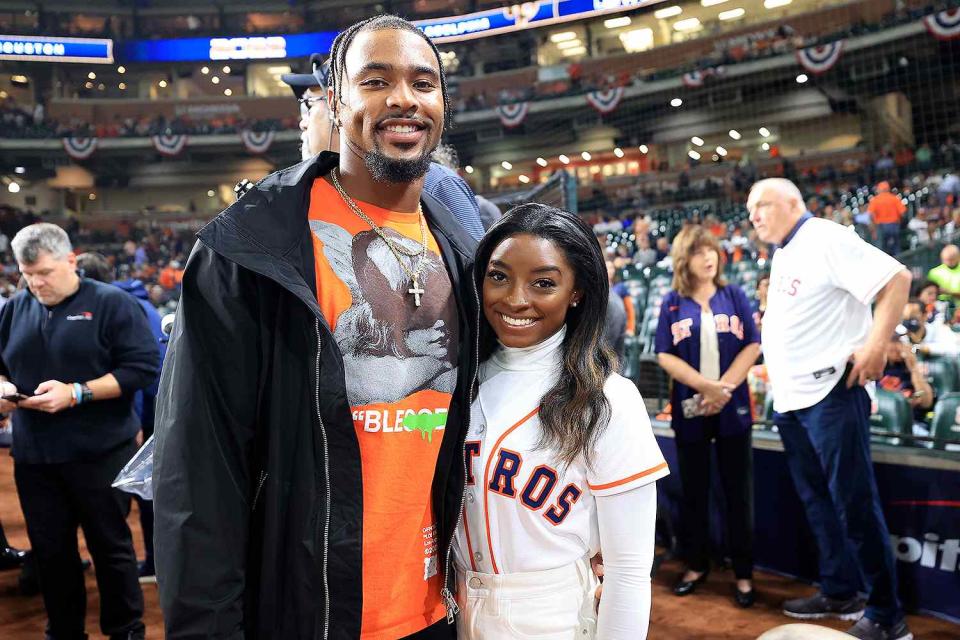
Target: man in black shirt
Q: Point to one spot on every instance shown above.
(80, 349)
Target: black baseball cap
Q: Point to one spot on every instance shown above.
(300, 82)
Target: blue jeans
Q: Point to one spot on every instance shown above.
(828, 452)
(889, 233)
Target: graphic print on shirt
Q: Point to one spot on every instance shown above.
(388, 350)
(680, 330)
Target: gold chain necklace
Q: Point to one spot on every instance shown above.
(415, 290)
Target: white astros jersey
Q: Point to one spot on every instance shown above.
(523, 510)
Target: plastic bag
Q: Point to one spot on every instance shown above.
(137, 475)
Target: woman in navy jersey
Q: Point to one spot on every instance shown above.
(707, 341)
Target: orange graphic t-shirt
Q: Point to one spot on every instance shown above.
(400, 368)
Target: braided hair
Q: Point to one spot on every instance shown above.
(338, 54)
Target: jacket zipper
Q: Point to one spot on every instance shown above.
(449, 601)
(326, 478)
(256, 496)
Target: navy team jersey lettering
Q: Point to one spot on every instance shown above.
(471, 450)
(506, 469)
(568, 497)
(538, 489)
(535, 493)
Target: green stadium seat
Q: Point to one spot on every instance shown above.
(943, 374)
(894, 412)
(630, 367)
(946, 421)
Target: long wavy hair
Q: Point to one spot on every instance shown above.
(575, 411)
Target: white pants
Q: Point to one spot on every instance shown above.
(557, 604)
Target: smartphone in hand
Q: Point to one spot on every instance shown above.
(17, 397)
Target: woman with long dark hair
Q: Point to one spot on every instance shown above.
(707, 341)
(561, 459)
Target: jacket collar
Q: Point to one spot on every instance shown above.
(267, 230)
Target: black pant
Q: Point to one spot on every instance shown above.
(56, 499)
(437, 631)
(735, 462)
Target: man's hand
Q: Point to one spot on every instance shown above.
(52, 397)
(596, 563)
(868, 363)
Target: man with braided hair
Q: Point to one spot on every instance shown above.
(309, 473)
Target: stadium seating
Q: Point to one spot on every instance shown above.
(893, 413)
(945, 424)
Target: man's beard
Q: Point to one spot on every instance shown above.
(384, 169)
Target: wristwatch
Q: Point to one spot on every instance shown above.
(86, 394)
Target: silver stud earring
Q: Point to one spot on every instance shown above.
(574, 304)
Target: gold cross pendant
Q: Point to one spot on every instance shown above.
(416, 291)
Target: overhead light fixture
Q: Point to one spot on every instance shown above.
(644, 148)
(19, 79)
(101, 86)
(88, 85)
(210, 193)
(121, 69)
(690, 24)
(764, 132)
(468, 169)
(204, 70)
(618, 152)
(162, 84)
(576, 51)
(13, 187)
(802, 78)
(524, 179)
(3, 95)
(732, 14)
(226, 69)
(542, 162)
(765, 146)
(697, 140)
(506, 165)
(637, 40)
(694, 155)
(667, 12)
(20, 170)
(228, 91)
(92, 197)
(563, 36)
(215, 79)
(569, 44)
(676, 102)
(564, 159)
(711, 3)
(586, 156)
(122, 86)
(773, 4)
(92, 76)
(721, 152)
(616, 23)
(733, 133)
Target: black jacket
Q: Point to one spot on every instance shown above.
(98, 330)
(257, 479)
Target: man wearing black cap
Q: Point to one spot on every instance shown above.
(318, 134)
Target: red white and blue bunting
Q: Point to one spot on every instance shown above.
(695, 79)
(80, 148)
(169, 144)
(513, 115)
(605, 101)
(257, 141)
(944, 25)
(820, 59)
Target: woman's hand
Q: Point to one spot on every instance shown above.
(716, 394)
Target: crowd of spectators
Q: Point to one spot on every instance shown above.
(151, 253)
(21, 122)
(763, 43)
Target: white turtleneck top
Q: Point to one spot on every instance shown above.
(524, 511)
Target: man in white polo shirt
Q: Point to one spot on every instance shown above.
(822, 347)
